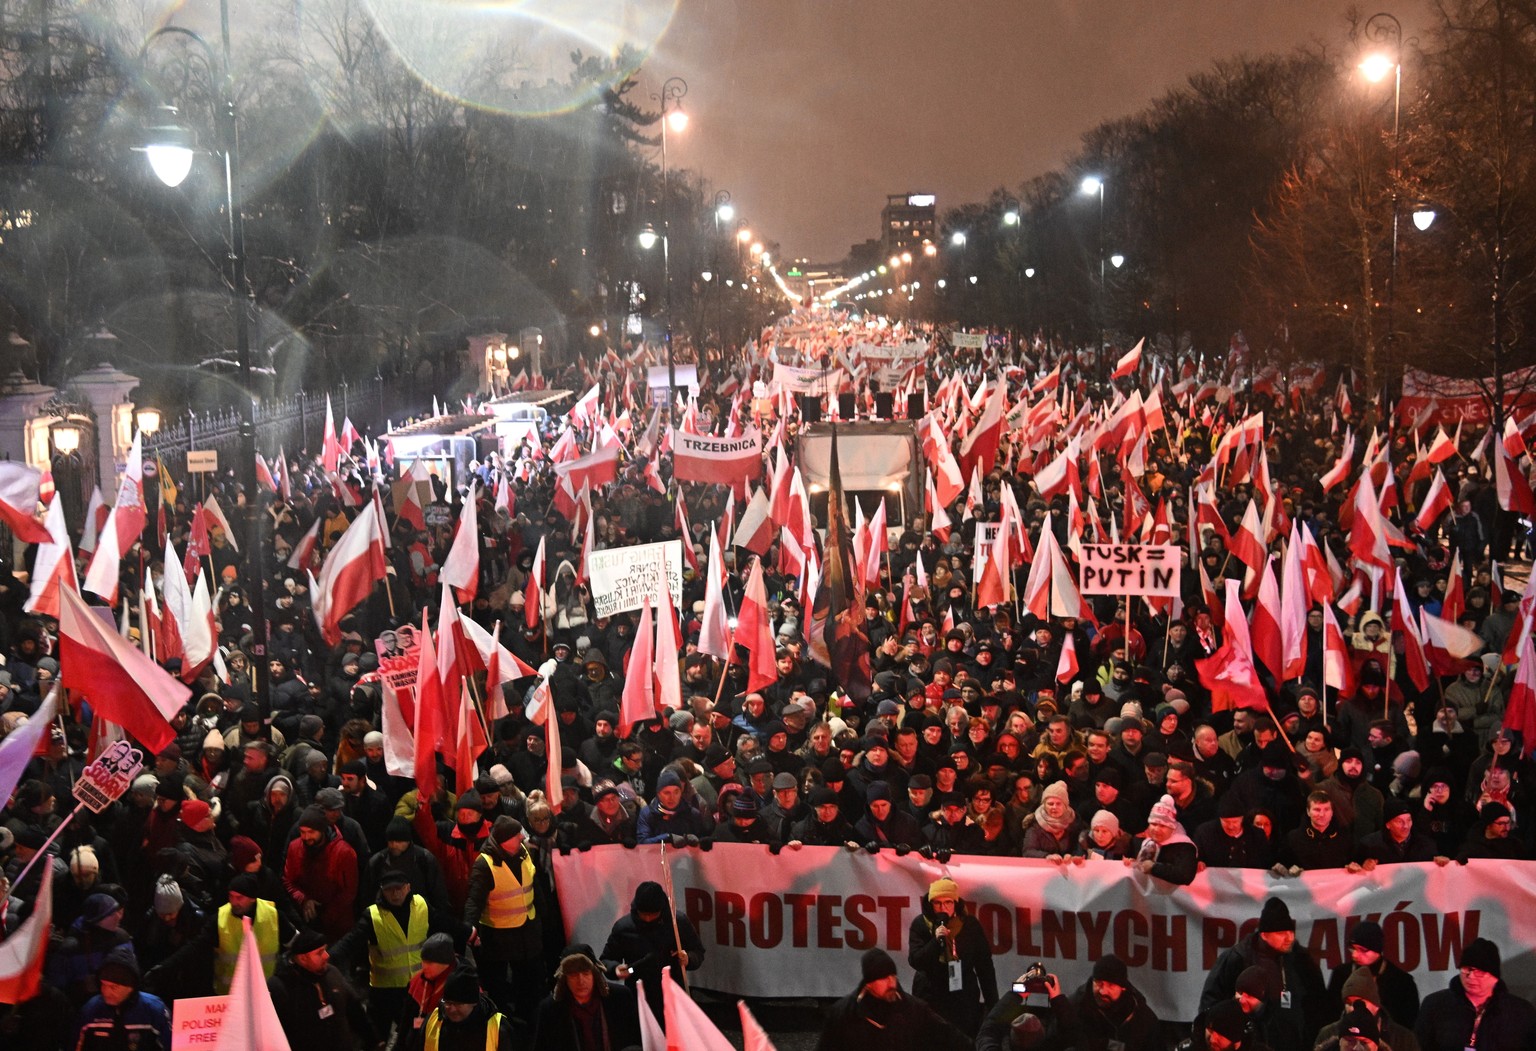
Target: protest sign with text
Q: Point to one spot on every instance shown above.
(621, 577)
(1131, 569)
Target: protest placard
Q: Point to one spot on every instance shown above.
(195, 1022)
(622, 576)
(1131, 569)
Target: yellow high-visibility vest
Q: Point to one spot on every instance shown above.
(434, 1027)
(395, 958)
(510, 902)
(232, 934)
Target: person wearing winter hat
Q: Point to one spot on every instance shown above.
(169, 943)
(1054, 833)
(952, 960)
(321, 873)
(641, 943)
(881, 1016)
(1103, 840)
(1477, 1009)
(1108, 1008)
(1225, 1028)
(1288, 966)
(121, 1014)
(883, 825)
(1398, 992)
(1164, 850)
(317, 1006)
(1361, 992)
(1490, 837)
(401, 852)
(503, 907)
(584, 1005)
(669, 817)
(466, 1019)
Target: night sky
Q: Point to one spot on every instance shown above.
(810, 112)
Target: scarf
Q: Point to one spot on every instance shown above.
(1056, 828)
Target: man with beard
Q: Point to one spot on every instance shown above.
(1108, 1011)
(501, 905)
(880, 1016)
(1286, 965)
(321, 874)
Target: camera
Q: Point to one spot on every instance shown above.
(1032, 980)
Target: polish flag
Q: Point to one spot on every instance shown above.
(1066, 664)
(1229, 673)
(1513, 488)
(685, 530)
(669, 686)
(1455, 601)
(1519, 710)
(1525, 616)
(1264, 627)
(1060, 475)
(351, 570)
(212, 509)
(1248, 542)
(53, 568)
(533, 593)
(24, 950)
(411, 505)
(1336, 668)
(755, 533)
(1294, 603)
(753, 1036)
(181, 610)
(715, 631)
(754, 631)
(19, 486)
(330, 445)
(639, 700)
(469, 740)
(461, 569)
(1367, 536)
(1436, 502)
(979, 450)
(1442, 448)
(264, 474)
(121, 683)
(428, 729)
(304, 551)
(124, 524)
(349, 436)
(1340, 469)
(1129, 363)
(96, 513)
(688, 1027)
(1447, 645)
(1414, 657)
(939, 522)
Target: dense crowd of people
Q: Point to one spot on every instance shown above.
(385, 915)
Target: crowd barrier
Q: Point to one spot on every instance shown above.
(795, 924)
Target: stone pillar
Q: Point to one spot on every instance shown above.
(106, 389)
(23, 431)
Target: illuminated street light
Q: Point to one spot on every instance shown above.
(648, 237)
(726, 212)
(1424, 218)
(1117, 260)
(1091, 184)
(1376, 67)
(957, 238)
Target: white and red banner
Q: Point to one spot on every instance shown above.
(796, 924)
(721, 461)
(796, 380)
(1430, 399)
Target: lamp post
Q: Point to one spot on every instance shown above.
(724, 213)
(1386, 33)
(672, 90)
(1093, 185)
(170, 154)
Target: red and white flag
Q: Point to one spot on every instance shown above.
(124, 524)
(755, 632)
(1066, 664)
(330, 445)
(1336, 670)
(1520, 709)
(22, 953)
(1513, 489)
(639, 699)
(461, 569)
(1129, 362)
(53, 567)
(1414, 657)
(715, 629)
(1229, 672)
(350, 572)
(96, 512)
(688, 1027)
(212, 509)
(19, 486)
(1436, 502)
(1264, 627)
(980, 446)
(669, 685)
(119, 681)
(755, 533)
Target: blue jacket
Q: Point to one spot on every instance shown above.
(141, 1022)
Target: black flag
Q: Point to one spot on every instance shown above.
(839, 616)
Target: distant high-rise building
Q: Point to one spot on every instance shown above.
(906, 222)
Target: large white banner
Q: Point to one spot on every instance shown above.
(795, 924)
(724, 461)
(797, 380)
(622, 576)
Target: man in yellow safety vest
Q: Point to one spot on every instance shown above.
(393, 928)
(466, 1020)
(502, 907)
(227, 932)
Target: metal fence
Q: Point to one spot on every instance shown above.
(293, 423)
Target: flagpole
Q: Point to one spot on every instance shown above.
(677, 938)
(42, 851)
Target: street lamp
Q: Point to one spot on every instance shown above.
(148, 420)
(1093, 186)
(672, 90)
(170, 156)
(648, 237)
(1385, 32)
(957, 238)
(1423, 218)
(1117, 260)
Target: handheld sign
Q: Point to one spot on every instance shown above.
(109, 776)
(1131, 569)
